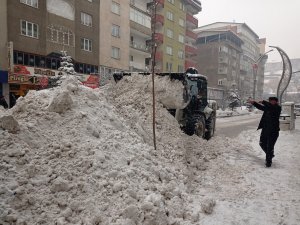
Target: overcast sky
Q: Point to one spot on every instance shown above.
(276, 20)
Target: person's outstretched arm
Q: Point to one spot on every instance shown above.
(258, 105)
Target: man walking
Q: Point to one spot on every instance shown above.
(269, 124)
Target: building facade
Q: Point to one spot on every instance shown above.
(175, 36)
(243, 70)
(37, 32)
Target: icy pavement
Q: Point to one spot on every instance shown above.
(248, 193)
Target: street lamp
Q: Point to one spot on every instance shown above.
(255, 68)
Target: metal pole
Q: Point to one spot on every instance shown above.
(255, 67)
(154, 48)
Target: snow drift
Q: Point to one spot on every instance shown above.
(84, 156)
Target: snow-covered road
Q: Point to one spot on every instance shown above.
(233, 126)
(248, 193)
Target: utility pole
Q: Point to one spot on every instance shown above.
(153, 54)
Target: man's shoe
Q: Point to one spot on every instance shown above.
(268, 164)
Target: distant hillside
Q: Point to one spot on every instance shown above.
(273, 73)
(275, 68)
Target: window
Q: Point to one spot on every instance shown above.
(115, 30)
(182, 6)
(140, 18)
(223, 49)
(115, 53)
(169, 50)
(181, 38)
(29, 29)
(181, 22)
(180, 54)
(220, 82)
(169, 67)
(60, 35)
(115, 8)
(170, 16)
(170, 33)
(86, 19)
(33, 3)
(180, 68)
(172, 1)
(86, 44)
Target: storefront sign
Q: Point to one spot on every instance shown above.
(91, 81)
(27, 79)
(20, 69)
(48, 73)
(39, 76)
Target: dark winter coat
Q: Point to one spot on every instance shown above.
(270, 119)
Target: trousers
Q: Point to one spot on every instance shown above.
(267, 142)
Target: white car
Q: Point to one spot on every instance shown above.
(297, 109)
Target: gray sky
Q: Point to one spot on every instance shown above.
(276, 20)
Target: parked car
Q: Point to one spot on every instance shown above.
(297, 109)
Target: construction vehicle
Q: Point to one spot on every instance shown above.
(195, 113)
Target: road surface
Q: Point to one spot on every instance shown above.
(233, 126)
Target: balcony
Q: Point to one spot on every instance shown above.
(193, 6)
(140, 47)
(190, 50)
(159, 38)
(191, 34)
(160, 3)
(189, 63)
(159, 19)
(192, 20)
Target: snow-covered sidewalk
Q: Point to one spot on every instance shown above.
(248, 193)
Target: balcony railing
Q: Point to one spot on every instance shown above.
(191, 34)
(191, 19)
(159, 19)
(190, 49)
(159, 37)
(140, 46)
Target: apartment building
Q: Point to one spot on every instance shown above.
(218, 57)
(37, 32)
(140, 36)
(174, 34)
(114, 36)
(250, 71)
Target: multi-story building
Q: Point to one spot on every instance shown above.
(218, 57)
(250, 64)
(37, 32)
(140, 35)
(114, 36)
(174, 34)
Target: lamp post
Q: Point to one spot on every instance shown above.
(255, 67)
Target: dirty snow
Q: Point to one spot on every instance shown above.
(84, 156)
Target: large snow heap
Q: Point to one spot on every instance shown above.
(75, 155)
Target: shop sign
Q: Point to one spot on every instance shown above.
(27, 79)
(91, 81)
(20, 69)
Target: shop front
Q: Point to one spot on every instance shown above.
(25, 78)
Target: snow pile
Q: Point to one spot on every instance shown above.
(83, 156)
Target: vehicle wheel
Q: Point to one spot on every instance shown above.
(195, 125)
(211, 127)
